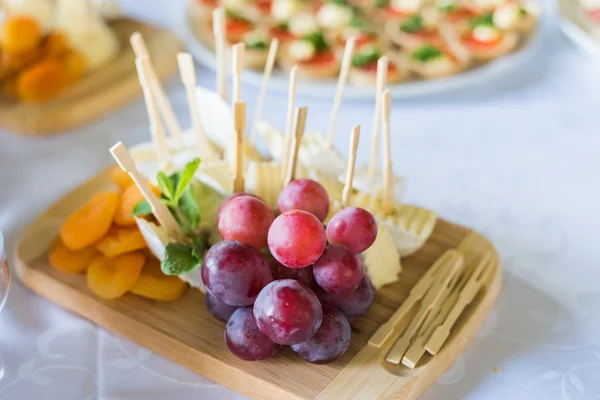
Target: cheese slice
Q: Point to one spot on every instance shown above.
(373, 184)
(264, 180)
(216, 174)
(382, 260)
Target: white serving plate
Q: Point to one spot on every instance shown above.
(574, 31)
(326, 88)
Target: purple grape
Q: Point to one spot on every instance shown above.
(218, 309)
(352, 305)
(288, 312)
(331, 340)
(235, 273)
(245, 340)
(302, 275)
(306, 195)
(339, 270)
(353, 227)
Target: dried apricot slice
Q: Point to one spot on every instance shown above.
(121, 241)
(120, 178)
(155, 285)
(55, 45)
(74, 64)
(42, 81)
(91, 222)
(130, 197)
(20, 34)
(71, 261)
(110, 278)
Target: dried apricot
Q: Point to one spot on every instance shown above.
(113, 277)
(130, 197)
(11, 64)
(121, 241)
(55, 45)
(120, 178)
(20, 34)
(155, 285)
(74, 66)
(90, 222)
(71, 261)
(42, 81)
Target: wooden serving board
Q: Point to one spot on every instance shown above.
(98, 92)
(184, 332)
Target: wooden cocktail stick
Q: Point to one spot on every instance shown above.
(188, 76)
(164, 105)
(239, 120)
(289, 121)
(219, 33)
(453, 261)
(263, 87)
(160, 211)
(237, 65)
(416, 294)
(299, 125)
(388, 190)
(466, 296)
(382, 69)
(156, 128)
(351, 162)
(343, 77)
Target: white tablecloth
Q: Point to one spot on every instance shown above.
(517, 160)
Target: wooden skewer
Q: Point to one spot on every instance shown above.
(219, 33)
(415, 295)
(299, 125)
(164, 105)
(454, 262)
(287, 139)
(388, 190)
(160, 211)
(466, 296)
(382, 69)
(156, 128)
(239, 119)
(237, 68)
(351, 162)
(263, 87)
(343, 77)
(188, 77)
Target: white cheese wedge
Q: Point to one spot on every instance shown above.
(485, 33)
(303, 24)
(332, 15)
(373, 184)
(382, 260)
(301, 50)
(42, 11)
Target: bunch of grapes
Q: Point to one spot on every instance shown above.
(305, 290)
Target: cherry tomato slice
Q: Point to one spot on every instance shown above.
(470, 41)
(322, 58)
(236, 28)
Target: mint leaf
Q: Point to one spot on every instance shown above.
(199, 247)
(185, 178)
(362, 59)
(190, 210)
(179, 259)
(412, 24)
(485, 19)
(426, 53)
(317, 40)
(141, 209)
(165, 186)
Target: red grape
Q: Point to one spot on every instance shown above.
(235, 273)
(246, 219)
(352, 305)
(331, 340)
(353, 227)
(302, 275)
(245, 340)
(218, 309)
(296, 239)
(306, 195)
(338, 271)
(288, 312)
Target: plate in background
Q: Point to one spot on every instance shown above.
(326, 88)
(577, 29)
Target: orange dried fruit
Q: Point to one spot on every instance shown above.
(74, 66)
(20, 34)
(111, 278)
(120, 241)
(90, 222)
(155, 285)
(120, 178)
(55, 45)
(130, 197)
(42, 81)
(71, 261)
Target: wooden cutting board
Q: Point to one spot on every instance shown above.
(98, 92)
(184, 332)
